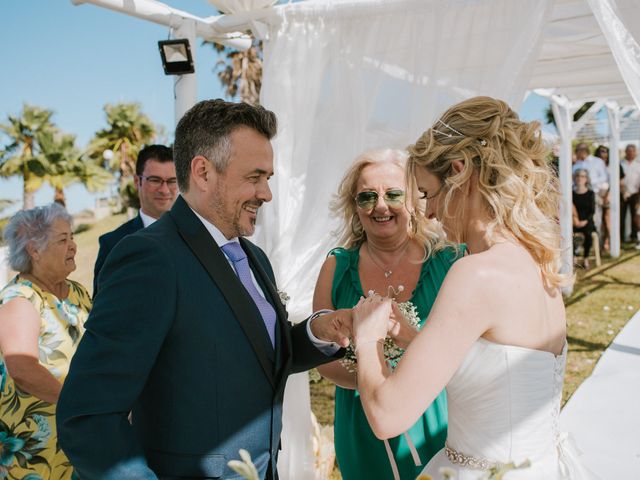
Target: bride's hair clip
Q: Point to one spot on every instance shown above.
(449, 135)
(481, 141)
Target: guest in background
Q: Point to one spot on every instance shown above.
(585, 207)
(598, 176)
(630, 196)
(603, 153)
(384, 245)
(42, 316)
(157, 189)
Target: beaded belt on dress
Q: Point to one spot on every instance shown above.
(470, 461)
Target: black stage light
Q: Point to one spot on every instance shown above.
(176, 56)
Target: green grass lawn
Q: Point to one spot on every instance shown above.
(603, 301)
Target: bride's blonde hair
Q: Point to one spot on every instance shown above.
(514, 177)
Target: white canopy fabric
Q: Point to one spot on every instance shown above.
(590, 51)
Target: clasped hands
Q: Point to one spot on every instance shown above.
(373, 318)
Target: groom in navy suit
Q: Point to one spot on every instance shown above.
(188, 332)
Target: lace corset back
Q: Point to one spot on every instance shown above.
(504, 403)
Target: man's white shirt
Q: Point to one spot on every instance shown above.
(631, 176)
(146, 219)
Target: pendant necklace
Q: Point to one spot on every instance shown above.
(389, 270)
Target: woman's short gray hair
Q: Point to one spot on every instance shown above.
(31, 227)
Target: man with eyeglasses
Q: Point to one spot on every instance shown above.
(157, 187)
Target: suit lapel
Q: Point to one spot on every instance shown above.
(273, 297)
(136, 224)
(215, 263)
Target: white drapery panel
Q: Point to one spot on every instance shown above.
(620, 24)
(346, 76)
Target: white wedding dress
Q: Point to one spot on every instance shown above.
(504, 403)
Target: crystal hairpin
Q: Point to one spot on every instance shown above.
(481, 141)
(446, 134)
(450, 128)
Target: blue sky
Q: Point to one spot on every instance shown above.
(75, 59)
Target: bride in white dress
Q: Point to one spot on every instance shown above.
(496, 336)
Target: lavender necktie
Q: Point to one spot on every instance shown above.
(234, 251)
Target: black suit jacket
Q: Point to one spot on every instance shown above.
(109, 240)
(175, 338)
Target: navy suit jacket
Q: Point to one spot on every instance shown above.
(175, 338)
(109, 240)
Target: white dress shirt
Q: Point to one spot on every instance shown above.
(146, 219)
(328, 348)
(631, 176)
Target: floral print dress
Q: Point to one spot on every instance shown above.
(28, 440)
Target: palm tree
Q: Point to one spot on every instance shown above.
(241, 72)
(128, 130)
(65, 165)
(23, 154)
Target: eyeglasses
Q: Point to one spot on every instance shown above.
(156, 182)
(368, 199)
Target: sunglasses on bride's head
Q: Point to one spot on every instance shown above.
(368, 199)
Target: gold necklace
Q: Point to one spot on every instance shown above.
(389, 270)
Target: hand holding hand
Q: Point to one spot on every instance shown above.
(371, 318)
(333, 327)
(399, 328)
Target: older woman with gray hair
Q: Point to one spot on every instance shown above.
(42, 316)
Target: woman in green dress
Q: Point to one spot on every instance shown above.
(42, 316)
(387, 249)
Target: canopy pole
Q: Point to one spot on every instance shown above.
(561, 108)
(613, 114)
(185, 87)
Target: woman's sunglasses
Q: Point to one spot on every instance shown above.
(393, 198)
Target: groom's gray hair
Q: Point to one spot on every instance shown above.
(204, 130)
